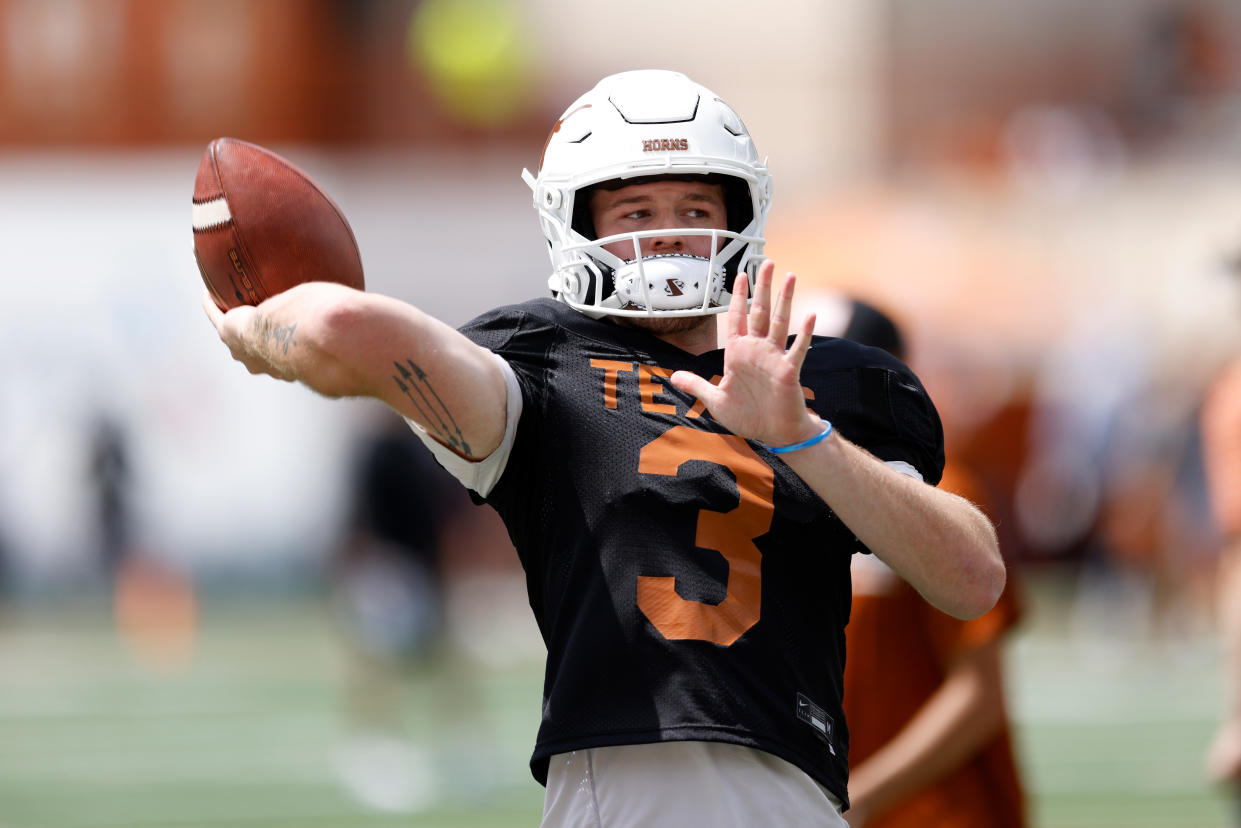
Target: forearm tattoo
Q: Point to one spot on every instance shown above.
(273, 337)
(414, 384)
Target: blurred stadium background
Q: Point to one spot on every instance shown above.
(1042, 194)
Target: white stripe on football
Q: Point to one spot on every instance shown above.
(211, 214)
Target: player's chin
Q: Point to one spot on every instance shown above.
(663, 325)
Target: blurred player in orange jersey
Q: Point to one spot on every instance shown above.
(925, 702)
(1221, 436)
(924, 692)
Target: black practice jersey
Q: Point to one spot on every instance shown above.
(687, 583)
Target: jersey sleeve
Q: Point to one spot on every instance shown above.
(518, 341)
(520, 338)
(523, 339)
(480, 476)
(878, 403)
(917, 430)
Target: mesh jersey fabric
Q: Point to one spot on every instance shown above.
(618, 483)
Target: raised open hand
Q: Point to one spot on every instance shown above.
(760, 397)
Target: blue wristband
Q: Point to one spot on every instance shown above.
(818, 438)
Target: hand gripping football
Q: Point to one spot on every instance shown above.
(261, 226)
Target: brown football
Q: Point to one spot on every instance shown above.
(261, 226)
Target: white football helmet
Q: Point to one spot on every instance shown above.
(630, 127)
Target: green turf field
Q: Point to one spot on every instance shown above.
(1112, 721)
(250, 732)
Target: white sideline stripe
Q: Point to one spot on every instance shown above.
(211, 213)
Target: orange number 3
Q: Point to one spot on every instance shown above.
(730, 533)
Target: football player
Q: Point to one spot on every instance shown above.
(684, 496)
(1221, 436)
(934, 748)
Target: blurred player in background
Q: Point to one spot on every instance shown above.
(389, 572)
(1221, 435)
(109, 475)
(684, 497)
(930, 745)
(388, 592)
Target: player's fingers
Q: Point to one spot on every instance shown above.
(737, 307)
(801, 343)
(212, 310)
(760, 308)
(691, 383)
(781, 311)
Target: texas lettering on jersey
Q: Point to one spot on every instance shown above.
(649, 388)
